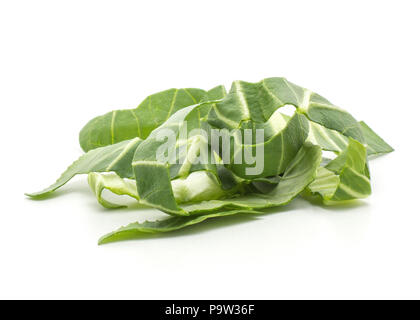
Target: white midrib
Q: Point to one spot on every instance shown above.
(114, 114)
(306, 99)
(351, 192)
(191, 154)
(171, 108)
(123, 153)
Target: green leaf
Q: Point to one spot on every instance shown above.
(120, 125)
(375, 144)
(135, 230)
(328, 139)
(283, 139)
(332, 140)
(115, 158)
(258, 101)
(345, 177)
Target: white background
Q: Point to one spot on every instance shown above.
(64, 62)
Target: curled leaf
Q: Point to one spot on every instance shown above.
(344, 178)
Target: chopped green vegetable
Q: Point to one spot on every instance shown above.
(197, 155)
(344, 178)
